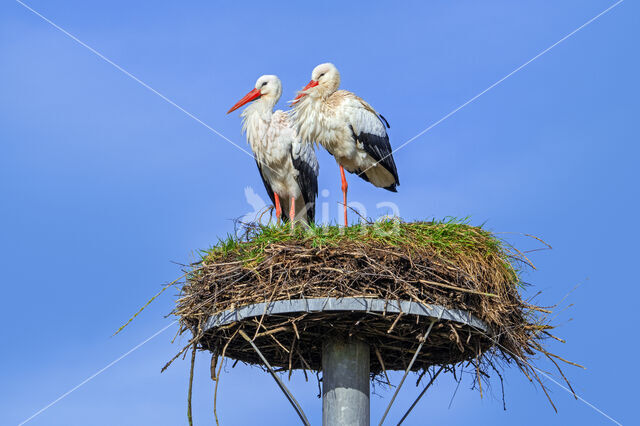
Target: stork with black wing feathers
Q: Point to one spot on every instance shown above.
(348, 127)
(288, 167)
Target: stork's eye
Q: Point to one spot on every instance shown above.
(320, 75)
(264, 84)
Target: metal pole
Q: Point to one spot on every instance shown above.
(345, 383)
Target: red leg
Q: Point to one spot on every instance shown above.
(344, 193)
(278, 209)
(292, 210)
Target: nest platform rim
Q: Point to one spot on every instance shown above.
(345, 305)
(392, 328)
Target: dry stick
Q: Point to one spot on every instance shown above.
(526, 235)
(539, 309)
(358, 213)
(178, 355)
(504, 403)
(395, 322)
(295, 328)
(544, 389)
(266, 306)
(546, 327)
(420, 396)
(212, 368)
(562, 374)
(270, 332)
(457, 386)
(379, 356)
(193, 360)
(526, 260)
(415, 355)
(549, 354)
(306, 365)
(532, 369)
(420, 377)
(452, 287)
(278, 342)
(281, 385)
(152, 299)
(215, 392)
(478, 375)
(293, 343)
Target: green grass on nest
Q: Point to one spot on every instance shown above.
(450, 238)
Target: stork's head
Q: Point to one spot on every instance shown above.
(325, 79)
(268, 89)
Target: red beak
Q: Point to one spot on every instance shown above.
(311, 84)
(251, 96)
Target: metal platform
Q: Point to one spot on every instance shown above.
(345, 364)
(345, 304)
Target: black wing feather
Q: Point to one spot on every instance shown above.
(379, 148)
(385, 121)
(267, 186)
(308, 183)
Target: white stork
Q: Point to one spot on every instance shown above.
(348, 127)
(288, 167)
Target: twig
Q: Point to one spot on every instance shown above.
(293, 343)
(212, 368)
(270, 332)
(166, 286)
(452, 287)
(193, 360)
(395, 322)
(379, 356)
(215, 392)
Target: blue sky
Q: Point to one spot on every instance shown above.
(103, 184)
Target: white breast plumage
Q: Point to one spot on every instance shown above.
(288, 168)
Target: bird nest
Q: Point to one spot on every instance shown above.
(451, 266)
